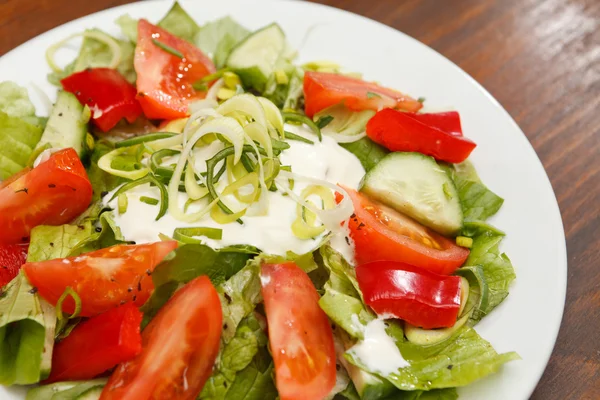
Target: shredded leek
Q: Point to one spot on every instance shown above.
(122, 203)
(193, 189)
(274, 117)
(302, 119)
(61, 319)
(156, 161)
(149, 200)
(164, 198)
(97, 35)
(342, 124)
(247, 104)
(186, 235)
(105, 163)
(143, 139)
(293, 136)
(305, 226)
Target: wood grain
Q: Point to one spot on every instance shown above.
(541, 60)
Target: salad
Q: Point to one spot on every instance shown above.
(201, 217)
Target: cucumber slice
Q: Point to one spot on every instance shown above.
(91, 394)
(426, 337)
(255, 58)
(66, 127)
(415, 185)
(67, 390)
(46, 392)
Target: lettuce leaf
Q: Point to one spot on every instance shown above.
(255, 382)
(27, 325)
(179, 23)
(478, 202)
(93, 54)
(14, 100)
(128, 26)
(188, 262)
(102, 182)
(458, 361)
(218, 38)
(18, 138)
(489, 272)
(367, 151)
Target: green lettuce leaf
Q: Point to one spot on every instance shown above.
(489, 272)
(14, 100)
(65, 390)
(367, 151)
(128, 27)
(27, 325)
(18, 138)
(218, 38)
(478, 202)
(188, 262)
(102, 182)
(179, 23)
(93, 54)
(255, 382)
(458, 361)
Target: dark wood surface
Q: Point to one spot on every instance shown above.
(541, 60)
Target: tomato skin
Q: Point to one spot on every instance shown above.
(98, 344)
(180, 346)
(448, 121)
(412, 294)
(164, 81)
(12, 256)
(300, 335)
(108, 94)
(323, 89)
(399, 131)
(103, 279)
(53, 193)
(375, 241)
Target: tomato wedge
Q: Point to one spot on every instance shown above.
(447, 121)
(400, 131)
(323, 89)
(300, 335)
(180, 346)
(103, 279)
(108, 94)
(413, 294)
(383, 234)
(12, 256)
(164, 80)
(53, 193)
(98, 344)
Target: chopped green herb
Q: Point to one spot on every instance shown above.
(122, 203)
(421, 99)
(302, 119)
(293, 136)
(167, 48)
(371, 95)
(324, 121)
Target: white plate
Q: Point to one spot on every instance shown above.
(528, 320)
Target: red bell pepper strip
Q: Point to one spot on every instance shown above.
(107, 93)
(448, 121)
(12, 256)
(418, 296)
(400, 131)
(98, 344)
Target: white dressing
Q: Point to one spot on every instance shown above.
(377, 351)
(272, 232)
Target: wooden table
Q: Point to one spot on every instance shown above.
(541, 60)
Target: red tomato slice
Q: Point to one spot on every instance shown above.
(180, 346)
(12, 256)
(103, 279)
(383, 234)
(300, 335)
(98, 344)
(53, 193)
(322, 90)
(415, 295)
(108, 94)
(164, 80)
(399, 131)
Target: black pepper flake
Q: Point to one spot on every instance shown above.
(98, 229)
(353, 215)
(33, 290)
(60, 114)
(78, 93)
(24, 239)
(450, 366)
(130, 290)
(104, 193)
(52, 186)
(134, 297)
(347, 240)
(22, 190)
(337, 367)
(113, 280)
(123, 302)
(80, 227)
(148, 272)
(225, 326)
(51, 244)
(3, 267)
(90, 100)
(227, 297)
(225, 384)
(141, 94)
(140, 286)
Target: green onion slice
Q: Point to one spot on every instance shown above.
(303, 119)
(143, 139)
(186, 235)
